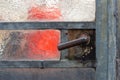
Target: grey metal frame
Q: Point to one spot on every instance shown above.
(46, 25)
(105, 26)
(106, 39)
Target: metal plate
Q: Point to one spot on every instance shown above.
(47, 74)
(46, 25)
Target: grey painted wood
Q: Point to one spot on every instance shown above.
(118, 29)
(21, 64)
(106, 40)
(118, 42)
(47, 64)
(101, 40)
(46, 25)
(118, 69)
(69, 64)
(112, 40)
(47, 74)
(64, 38)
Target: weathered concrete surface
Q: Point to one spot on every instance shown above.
(78, 10)
(71, 10)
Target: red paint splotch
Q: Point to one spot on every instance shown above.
(44, 13)
(43, 44)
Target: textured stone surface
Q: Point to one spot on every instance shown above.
(29, 44)
(47, 10)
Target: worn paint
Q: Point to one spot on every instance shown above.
(101, 40)
(29, 44)
(102, 44)
(112, 48)
(47, 10)
(47, 74)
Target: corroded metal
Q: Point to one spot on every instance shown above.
(84, 39)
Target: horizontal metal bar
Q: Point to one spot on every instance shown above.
(47, 74)
(20, 64)
(46, 25)
(46, 64)
(69, 64)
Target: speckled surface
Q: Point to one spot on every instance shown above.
(29, 45)
(71, 10)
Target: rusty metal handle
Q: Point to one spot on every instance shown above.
(84, 39)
